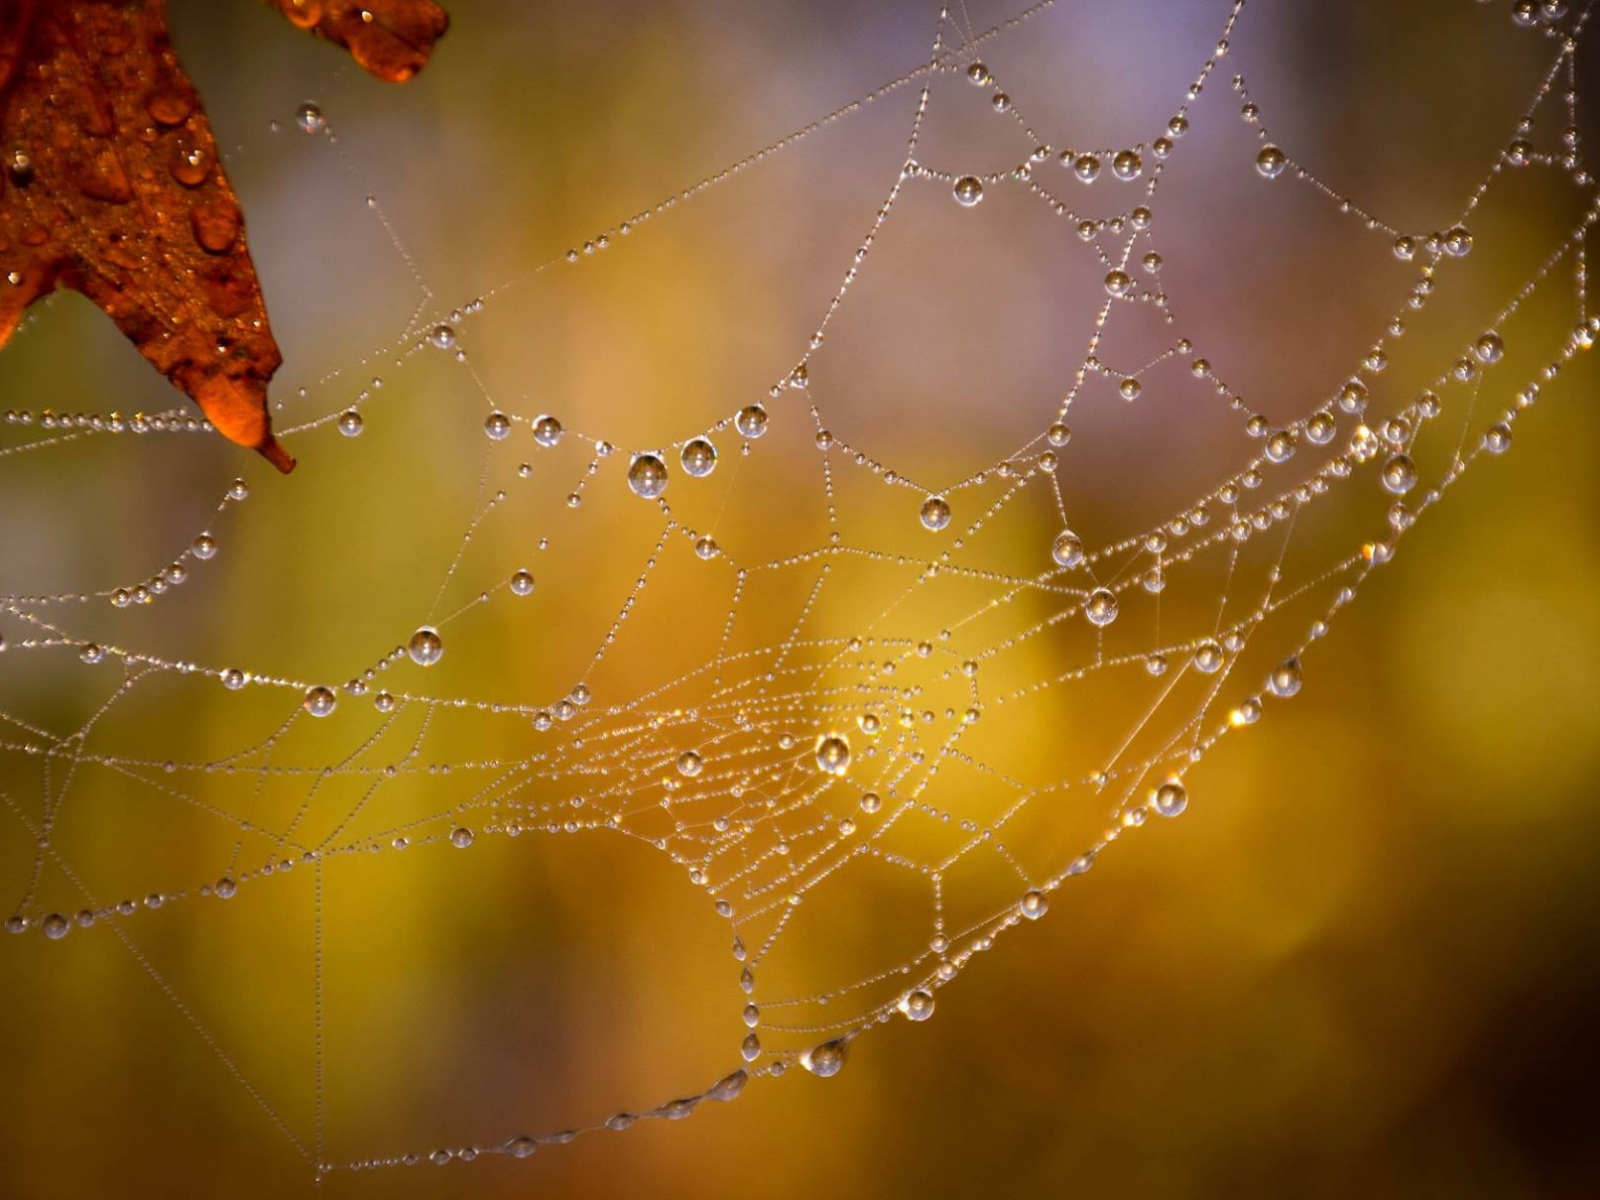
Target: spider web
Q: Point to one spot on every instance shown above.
(813, 675)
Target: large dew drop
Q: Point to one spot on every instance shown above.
(1285, 679)
(320, 701)
(826, 1059)
(1170, 798)
(1399, 475)
(647, 476)
(751, 421)
(425, 647)
(1101, 607)
(729, 1086)
(699, 457)
(833, 754)
(547, 431)
(1067, 549)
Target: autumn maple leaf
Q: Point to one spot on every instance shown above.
(110, 185)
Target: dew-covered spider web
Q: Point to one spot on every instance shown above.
(847, 636)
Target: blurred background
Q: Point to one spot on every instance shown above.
(1363, 959)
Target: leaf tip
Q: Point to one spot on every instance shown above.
(276, 454)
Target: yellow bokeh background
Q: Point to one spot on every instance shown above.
(1361, 962)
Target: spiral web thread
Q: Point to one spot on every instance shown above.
(772, 771)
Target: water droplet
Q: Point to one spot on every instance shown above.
(547, 431)
(728, 1087)
(1170, 798)
(1101, 607)
(1353, 397)
(497, 426)
(1270, 162)
(935, 513)
(751, 421)
(190, 165)
(425, 647)
(699, 457)
(19, 167)
(1399, 474)
(1457, 241)
(216, 225)
(833, 754)
(826, 1059)
(522, 583)
(1067, 549)
(309, 117)
(320, 701)
(647, 476)
(461, 837)
(1285, 679)
(917, 1005)
(350, 423)
(690, 763)
(55, 927)
(1208, 657)
(968, 191)
(1033, 905)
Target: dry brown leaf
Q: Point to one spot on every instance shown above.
(110, 185)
